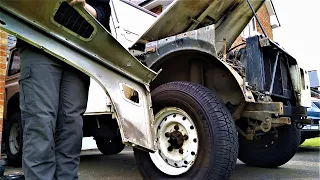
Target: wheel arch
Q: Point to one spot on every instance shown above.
(12, 105)
(201, 67)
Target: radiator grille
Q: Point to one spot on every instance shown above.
(68, 17)
(281, 84)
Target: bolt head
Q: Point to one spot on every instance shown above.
(167, 134)
(185, 137)
(176, 127)
(170, 148)
(181, 151)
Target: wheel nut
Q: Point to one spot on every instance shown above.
(170, 148)
(181, 151)
(176, 127)
(185, 137)
(167, 134)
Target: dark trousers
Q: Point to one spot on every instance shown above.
(53, 98)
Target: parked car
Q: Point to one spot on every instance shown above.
(312, 130)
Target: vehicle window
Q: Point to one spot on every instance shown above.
(314, 105)
(72, 20)
(317, 104)
(14, 67)
(138, 5)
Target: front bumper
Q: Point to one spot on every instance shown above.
(261, 110)
(314, 126)
(311, 127)
(310, 131)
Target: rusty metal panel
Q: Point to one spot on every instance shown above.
(98, 44)
(265, 107)
(175, 19)
(135, 120)
(183, 15)
(229, 16)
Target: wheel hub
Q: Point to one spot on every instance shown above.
(177, 141)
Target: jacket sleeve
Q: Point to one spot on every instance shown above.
(103, 10)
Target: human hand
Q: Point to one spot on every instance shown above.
(86, 6)
(81, 2)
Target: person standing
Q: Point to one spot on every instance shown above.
(53, 99)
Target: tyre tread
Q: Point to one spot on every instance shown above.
(221, 123)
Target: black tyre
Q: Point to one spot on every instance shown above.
(110, 146)
(302, 140)
(196, 135)
(14, 140)
(308, 135)
(270, 151)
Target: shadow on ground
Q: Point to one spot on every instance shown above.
(308, 149)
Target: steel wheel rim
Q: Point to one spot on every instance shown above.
(180, 157)
(14, 139)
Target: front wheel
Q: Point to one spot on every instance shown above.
(270, 150)
(13, 140)
(302, 140)
(109, 146)
(195, 135)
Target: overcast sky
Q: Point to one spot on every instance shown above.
(299, 33)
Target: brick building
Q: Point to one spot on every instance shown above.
(3, 61)
(267, 17)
